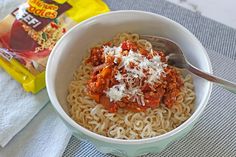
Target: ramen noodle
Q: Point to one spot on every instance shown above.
(126, 90)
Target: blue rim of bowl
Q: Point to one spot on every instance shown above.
(89, 133)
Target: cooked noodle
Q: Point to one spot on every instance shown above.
(126, 124)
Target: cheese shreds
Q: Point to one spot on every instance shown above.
(143, 71)
(113, 51)
(118, 76)
(116, 92)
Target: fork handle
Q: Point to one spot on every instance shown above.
(230, 86)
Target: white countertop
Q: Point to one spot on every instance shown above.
(223, 11)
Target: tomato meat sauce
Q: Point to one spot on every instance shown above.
(115, 69)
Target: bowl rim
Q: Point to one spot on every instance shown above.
(55, 103)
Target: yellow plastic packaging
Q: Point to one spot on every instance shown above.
(28, 34)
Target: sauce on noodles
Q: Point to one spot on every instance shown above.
(131, 76)
(105, 91)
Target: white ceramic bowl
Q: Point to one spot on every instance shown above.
(73, 46)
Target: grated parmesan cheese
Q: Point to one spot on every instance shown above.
(116, 92)
(130, 83)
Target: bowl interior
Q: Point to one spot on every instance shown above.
(73, 47)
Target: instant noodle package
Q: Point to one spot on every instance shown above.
(30, 32)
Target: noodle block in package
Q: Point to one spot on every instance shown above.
(29, 33)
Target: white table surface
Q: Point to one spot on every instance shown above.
(223, 11)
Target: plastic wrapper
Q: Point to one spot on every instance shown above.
(30, 32)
